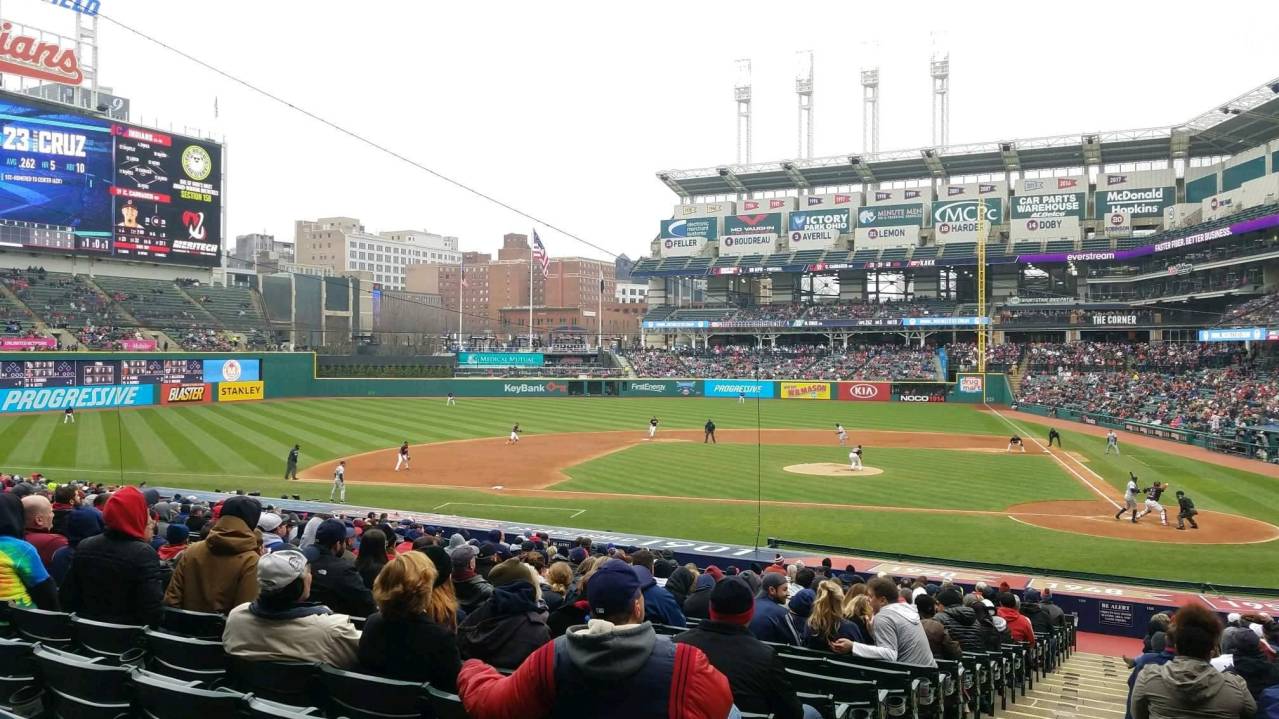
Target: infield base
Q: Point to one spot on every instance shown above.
(831, 469)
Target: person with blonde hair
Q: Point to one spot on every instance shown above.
(826, 621)
(557, 580)
(857, 610)
(401, 640)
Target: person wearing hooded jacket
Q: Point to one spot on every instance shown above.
(1018, 624)
(23, 577)
(84, 522)
(511, 625)
(698, 603)
(963, 624)
(681, 584)
(1037, 614)
(335, 582)
(1189, 687)
(660, 606)
(899, 634)
(221, 572)
(115, 576)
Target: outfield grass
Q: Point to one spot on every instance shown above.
(243, 446)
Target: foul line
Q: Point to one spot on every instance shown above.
(1059, 460)
(575, 512)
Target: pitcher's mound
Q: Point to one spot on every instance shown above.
(831, 469)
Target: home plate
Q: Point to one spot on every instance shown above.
(498, 486)
(832, 469)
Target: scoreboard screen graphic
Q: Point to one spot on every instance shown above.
(73, 182)
(155, 371)
(38, 373)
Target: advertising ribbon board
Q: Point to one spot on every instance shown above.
(805, 390)
(865, 391)
(241, 391)
(26, 343)
(661, 388)
(137, 345)
(58, 398)
(753, 389)
(500, 359)
(687, 237)
(750, 234)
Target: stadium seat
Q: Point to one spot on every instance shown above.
(859, 694)
(445, 705)
(293, 683)
(360, 696)
(201, 625)
(904, 691)
(161, 697)
(39, 625)
(102, 639)
(83, 688)
(17, 668)
(185, 657)
(263, 709)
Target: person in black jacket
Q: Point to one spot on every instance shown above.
(335, 582)
(511, 625)
(116, 577)
(1040, 619)
(755, 674)
(698, 604)
(963, 623)
(400, 641)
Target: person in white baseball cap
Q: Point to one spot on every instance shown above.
(275, 532)
(281, 625)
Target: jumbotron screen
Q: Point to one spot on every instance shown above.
(79, 184)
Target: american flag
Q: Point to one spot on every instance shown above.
(540, 256)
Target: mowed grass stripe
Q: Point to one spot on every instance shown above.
(155, 433)
(49, 442)
(222, 449)
(90, 442)
(14, 434)
(316, 438)
(361, 430)
(268, 443)
(247, 454)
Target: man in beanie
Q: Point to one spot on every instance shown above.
(472, 589)
(773, 622)
(336, 583)
(1034, 612)
(175, 543)
(755, 674)
(115, 577)
(220, 573)
(615, 660)
(660, 606)
(282, 625)
(511, 625)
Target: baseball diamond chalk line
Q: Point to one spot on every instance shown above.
(575, 512)
(533, 467)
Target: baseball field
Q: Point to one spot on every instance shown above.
(937, 482)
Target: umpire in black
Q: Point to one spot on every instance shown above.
(710, 433)
(291, 464)
(1053, 437)
(1187, 513)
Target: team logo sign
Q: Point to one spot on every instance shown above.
(28, 56)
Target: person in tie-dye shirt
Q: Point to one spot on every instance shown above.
(23, 579)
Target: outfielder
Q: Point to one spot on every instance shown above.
(1112, 442)
(652, 427)
(1015, 441)
(1130, 498)
(1188, 511)
(855, 458)
(451, 400)
(741, 398)
(515, 434)
(402, 457)
(1152, 503)
(68, 415)
(841, 434)
(339, 483)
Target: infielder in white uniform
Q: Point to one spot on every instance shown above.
(1130, 498)
(841, 434)
(1112, 442)
(402, 457)
(515, 434)
(652, 427)
(339, 483)
(855, 458)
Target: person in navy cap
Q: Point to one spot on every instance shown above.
(335, 582)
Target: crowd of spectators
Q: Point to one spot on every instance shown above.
(1260, 311)
(63, 300)
(999, 357)
(813, 362)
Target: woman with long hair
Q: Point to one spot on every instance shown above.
(826, 621)
(558, 577)
(857, 609)
(401, 640)
(372, 555)
(442, 607)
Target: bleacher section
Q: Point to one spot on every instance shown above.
(63, 300)
(233, 307)
(155, 303)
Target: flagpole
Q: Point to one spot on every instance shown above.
(530, 293)
(460, 280)
(599, 344)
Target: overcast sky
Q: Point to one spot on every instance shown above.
(567, 110)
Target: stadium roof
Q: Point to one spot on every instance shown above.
(1239, 124)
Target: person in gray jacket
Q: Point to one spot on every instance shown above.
(899, 634)
(1188, 687)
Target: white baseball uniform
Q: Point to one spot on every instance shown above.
(652, 428)
(855, 459)
(515, 435)
(1112, 442)
(339, 484)
(1130, 495)
(843, 435)
(402, 458)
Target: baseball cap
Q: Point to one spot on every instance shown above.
(772, 580)
(612, 588)
(269, 522)
(278, 570)
(577, 555)
(463, 554)
(330, 532)
(732, 601)
(802, 602)
(508, 572)
(1030, 595)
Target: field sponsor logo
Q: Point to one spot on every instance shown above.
(734, 387)
(663, 388)
(921, 397)
(231, 370)
(805, 390)
(51, 398)
(970, 384)
(961, 216)
(241, 391)
(500, 359)
(185, 393)
(1145, 202)
(911, 214)
(541, 388)
(865, 391)
(29, 56)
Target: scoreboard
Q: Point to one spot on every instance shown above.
(72, 182)
(94, 373)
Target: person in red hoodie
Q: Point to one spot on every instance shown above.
(1018, 624)
(115, 576)
(613, 666)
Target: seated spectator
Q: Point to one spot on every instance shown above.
(335, 582)
(472, 589)
(857, 610)
(282, 625)
(1162, 655)
(23, 577)
(175, 543)
(39, 527)
(275, 532)
(615, 660)
(400, 640)
(1018, 624)
(772, 621)
(115, 576)
(698, 604)
(555, 584)
(1251, 663)
(660, 606)
(442, 607)
(220, 573)
(64, 499)
(1041, 621)
(679, 584)
(372, 555)
(939, 641)
(899, 635)
(81, 524)
(756, 676)
(511, 625)
(826, 621)
(1188, 687)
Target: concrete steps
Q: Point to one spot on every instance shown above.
(1085, 686)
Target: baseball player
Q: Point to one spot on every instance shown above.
(855, 458)
(1054, 437)
(1112, 442)
(291, 464)
(741, 398)
(1187, 511)
(1152, 502)
(841, 434)
(710, 433)
(339, 483)
(1130, 498)
(451, 401)
(1015, 441)
(652, 427)
(515, 434)
(68, 415)
(402, 457)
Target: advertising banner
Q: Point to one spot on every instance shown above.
(704, 209)
(886, 236)
(661, 388)
(772, 204)
(956, 220)
(817, 229)
(232, 370)
(1114, 320)
(865, 391)
(1118, 224)
(754, 389)
(1052, 185)
(750, 234)
(241, 391)
(805, 390)
(535, 388)
(814, 202)
(137, 345)
(891, 215)
(687, 238)
(1222, 204)
(970, 384)
(185, 393)
(919, 392)
(59, 398)
(973, 190)
(500, 359)
(27, 343)
(1233, 334)
(1137, 202)
(1047, 216)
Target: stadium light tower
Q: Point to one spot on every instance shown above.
(870, 109)
(939, 68)
(742, 94)
(804, 93)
